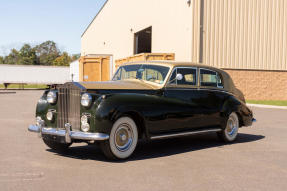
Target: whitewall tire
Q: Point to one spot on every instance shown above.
(123, 139)
(230, 132)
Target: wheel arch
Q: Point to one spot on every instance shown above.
(139, 120)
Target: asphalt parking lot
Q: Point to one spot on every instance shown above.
(256, 161)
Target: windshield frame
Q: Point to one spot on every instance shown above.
(145, 81)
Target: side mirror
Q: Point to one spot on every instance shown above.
(179, 77)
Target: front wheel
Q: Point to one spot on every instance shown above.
(230, 132)
(123, 139)
(56, 146)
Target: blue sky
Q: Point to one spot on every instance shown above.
(35, 21)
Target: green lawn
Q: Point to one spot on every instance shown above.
(17, 86)
(269, 102)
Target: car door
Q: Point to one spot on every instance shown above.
(212, 96)
(181, 111)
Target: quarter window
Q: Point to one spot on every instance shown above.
(210, 78)
(188, 74)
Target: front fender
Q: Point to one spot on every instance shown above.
(111, 107)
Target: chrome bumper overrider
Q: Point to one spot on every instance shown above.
(69, 135)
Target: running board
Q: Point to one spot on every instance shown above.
(164, 136)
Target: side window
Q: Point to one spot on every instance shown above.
(188, 76)
(210, 78)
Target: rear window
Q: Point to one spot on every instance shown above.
(210, 78)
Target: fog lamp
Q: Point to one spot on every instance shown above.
(85, 126)
(50, 115)
(39, 121)
(84, 119)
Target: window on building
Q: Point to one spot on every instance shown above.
(188, 76)
(210, 78)
(142, 41)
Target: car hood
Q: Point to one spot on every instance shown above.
(122, 84)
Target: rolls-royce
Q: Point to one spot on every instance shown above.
(144, 100)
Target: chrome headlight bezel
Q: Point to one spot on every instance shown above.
(52, 97)
(86, 100)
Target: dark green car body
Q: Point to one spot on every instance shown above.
(166, 110)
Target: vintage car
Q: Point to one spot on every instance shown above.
(144, 100)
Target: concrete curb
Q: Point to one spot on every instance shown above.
(267, 106)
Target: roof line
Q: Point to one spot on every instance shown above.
(94, 18)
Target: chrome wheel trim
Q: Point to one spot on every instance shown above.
(123, 137)
(232, 125)
(124, 128)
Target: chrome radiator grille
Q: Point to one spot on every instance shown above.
(69, 107)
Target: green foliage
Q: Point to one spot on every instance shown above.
(62, 60)
(12, 58)
(1, 60)
(27, 55)
(30, 86)
(46, 53)
(269, 102)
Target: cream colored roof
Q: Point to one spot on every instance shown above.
(172, 64)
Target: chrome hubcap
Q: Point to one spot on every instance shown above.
(123, 137)
(231, 126)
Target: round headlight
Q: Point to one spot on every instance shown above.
(49, 115)
(86, 100)
(52, 97)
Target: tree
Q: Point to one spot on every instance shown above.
(27, 55)
(1, 60)
(47, 52)
(63, 60)
(12, 58)
(75, 57)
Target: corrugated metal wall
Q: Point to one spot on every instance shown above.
(240, 34)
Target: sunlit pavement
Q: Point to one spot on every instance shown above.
(256, 161)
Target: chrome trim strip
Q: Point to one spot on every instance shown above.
(184, 133)
(73, 134)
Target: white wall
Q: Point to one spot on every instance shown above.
(75, 71)
(110, 32)
(33, 74)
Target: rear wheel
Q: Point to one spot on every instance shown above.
(229, 133)
(123, 139)
(56, 146)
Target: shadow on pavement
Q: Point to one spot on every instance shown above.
(159, 148)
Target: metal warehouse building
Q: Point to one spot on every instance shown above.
(247, 38)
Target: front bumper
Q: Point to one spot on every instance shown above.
(69, 135)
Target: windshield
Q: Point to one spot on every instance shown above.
(146, 72)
